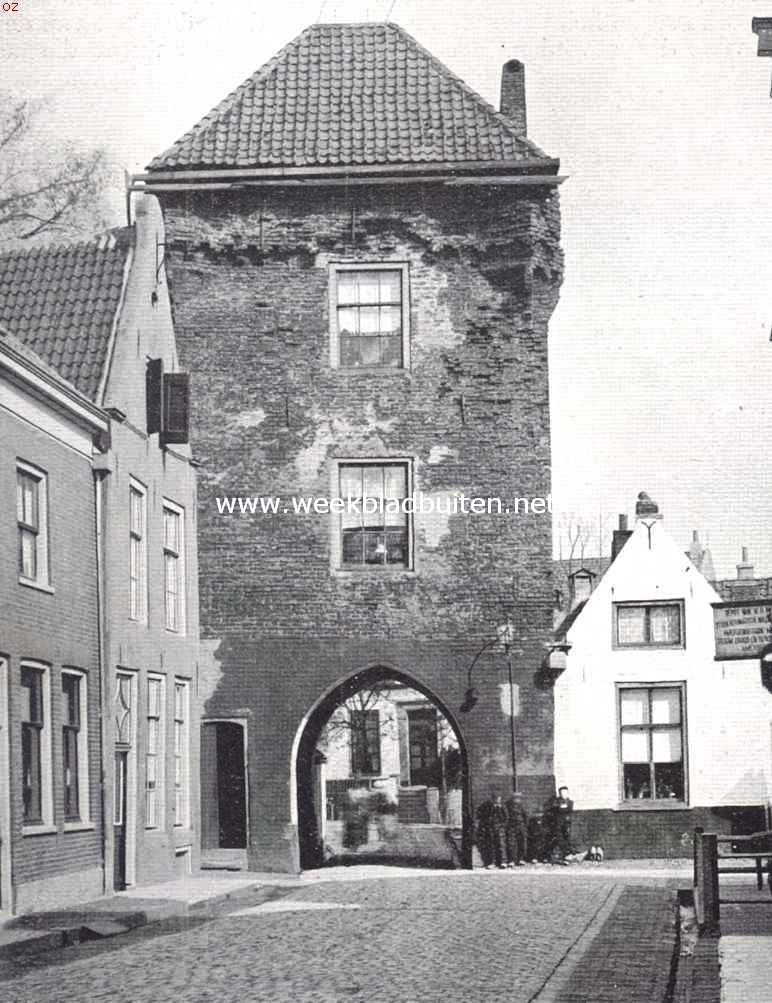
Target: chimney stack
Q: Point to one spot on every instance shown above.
(744, 568)
(513, 95)
(620, 537)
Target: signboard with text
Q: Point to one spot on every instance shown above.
(743, 629)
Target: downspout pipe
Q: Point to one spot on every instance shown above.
(102, 674)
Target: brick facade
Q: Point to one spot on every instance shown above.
(57, 861)
(249, 275)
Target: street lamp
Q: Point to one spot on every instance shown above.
(505, 635)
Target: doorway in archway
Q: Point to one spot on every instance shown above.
(382, 776)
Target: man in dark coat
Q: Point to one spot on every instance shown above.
(517, 829)
(560, 810)
(499, 831)
(484, 836)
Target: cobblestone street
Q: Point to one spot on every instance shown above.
(429, 937)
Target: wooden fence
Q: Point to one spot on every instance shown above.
(747, 855)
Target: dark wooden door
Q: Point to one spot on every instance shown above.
(231, 786)
(422, 737)
(119, 820)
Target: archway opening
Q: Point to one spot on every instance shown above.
(382, 776)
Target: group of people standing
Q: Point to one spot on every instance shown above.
(507, 836)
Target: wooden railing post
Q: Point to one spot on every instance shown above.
(708, 880)
(698, 876)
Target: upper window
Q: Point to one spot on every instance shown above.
(32, 520)
(174, 578)
(651, 720)
(137, 552)
(75, 746)
(651, 625)
(36, 746)
(369, 316)
(375, 527)
(365, 742)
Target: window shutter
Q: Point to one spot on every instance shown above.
(176, 408)
(154, 387)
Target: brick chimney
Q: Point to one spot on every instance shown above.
(620, 537)
(513, 95)
(744, 568)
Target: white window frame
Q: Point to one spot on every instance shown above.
(84, 798)
(42, 578)
(641, 804)
(337, 567)
(648, 645)
(335, 268)
(138, 594)
(46, 823)
(155, 817)
(181, 604)
(181, 753)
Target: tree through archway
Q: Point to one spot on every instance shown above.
(382, 776)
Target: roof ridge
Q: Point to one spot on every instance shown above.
(113, 236)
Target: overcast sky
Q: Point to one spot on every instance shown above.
(661, 115)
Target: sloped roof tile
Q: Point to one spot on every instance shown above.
(349, 94)
(61, 303)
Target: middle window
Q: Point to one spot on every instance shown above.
(374, 523)
(370, 314)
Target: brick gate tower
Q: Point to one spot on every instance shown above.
(364, 256)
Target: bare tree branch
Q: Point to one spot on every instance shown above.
(46, 190)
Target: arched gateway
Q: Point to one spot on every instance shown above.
(307, 807)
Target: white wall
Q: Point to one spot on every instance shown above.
(728, 713)
(338, 747)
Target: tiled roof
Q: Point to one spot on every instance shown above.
(62, 301)
(349, 94)
(10, 341)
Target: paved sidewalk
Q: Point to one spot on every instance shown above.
(745, 945)
(35, 933)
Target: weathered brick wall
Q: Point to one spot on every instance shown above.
(26, 619)
(249, 280)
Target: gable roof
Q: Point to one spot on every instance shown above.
(62, 302)
(350, 94)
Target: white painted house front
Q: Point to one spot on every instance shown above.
(652, 735)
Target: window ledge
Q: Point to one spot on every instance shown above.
(32, 583)
(648, 647)
(373, 572)
(652, 806)
(372, 370)
(39, 830)
(79, 826)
